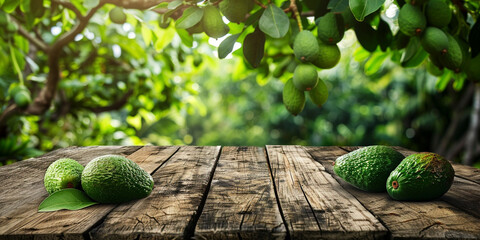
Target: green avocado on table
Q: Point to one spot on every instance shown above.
(368, 168)
(420, 177)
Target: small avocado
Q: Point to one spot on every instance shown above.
(368, 168)
(213, 23)
(305, 77)
(236, 10)
(117, 15)
(411, 20)
(453, 59)
(434, 41)
(305, 46)
(319, 94)
(61, 174)
(328, 57)
(330, 28)
(293, 99)
(115, 179)
(438, 13)
(420, 177)
(22, 98)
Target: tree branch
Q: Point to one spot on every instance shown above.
(72, 7)
(136, 4)
(35, 41)
(119, 103)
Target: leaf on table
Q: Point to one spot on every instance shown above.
(274, 22)
(70, 199)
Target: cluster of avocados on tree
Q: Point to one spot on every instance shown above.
(105, 179)
(314, 52)
(429, 21)
(418, 177)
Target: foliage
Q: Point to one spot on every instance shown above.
(91, 72)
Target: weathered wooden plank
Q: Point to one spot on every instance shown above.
(173, 207)
(407, 220)
(73, 225)
(314, 205)
(241, 203)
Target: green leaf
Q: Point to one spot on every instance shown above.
(254, 17)
(70, 199)
(254, 47)
(226, 46)
(1, 2)
(187, 38)
(274, 22)
(375, 63)
(416, 59)
(442, 81)
(411, 49)
(338, 6)
(363, 8)
(174, 4)
(10, 5)
(190, 17)
(146, 34)
(90, 3)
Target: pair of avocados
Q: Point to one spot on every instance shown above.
(105, 179)
(418, 177)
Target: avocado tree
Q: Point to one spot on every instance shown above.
(61, 57)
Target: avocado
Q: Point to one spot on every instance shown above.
(328, 57)
(236, 10)
(117, 15)
(305, 46)
(293, 99)
(349, 20)
(22, 98)
(434, 41)
(330, 28)
(420, 177)
(368, 168)
(319, 94)
(453, 59)
(411, 20)
(305, 77)
(115, 179)
(213, 23)
(438, 13)
(61, 174)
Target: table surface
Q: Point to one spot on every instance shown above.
(213, 192)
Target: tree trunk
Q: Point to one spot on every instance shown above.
(473, 129)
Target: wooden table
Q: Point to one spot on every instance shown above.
(213, 192)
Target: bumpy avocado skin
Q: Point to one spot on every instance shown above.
(368, 168)
(420, 177)
(61, 174)
(115, 179)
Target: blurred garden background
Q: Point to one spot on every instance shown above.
(138, 83)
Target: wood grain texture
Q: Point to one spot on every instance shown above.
(173, 207)
(241, 203)
(407, 220)
(63, 224)
(314, 205)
